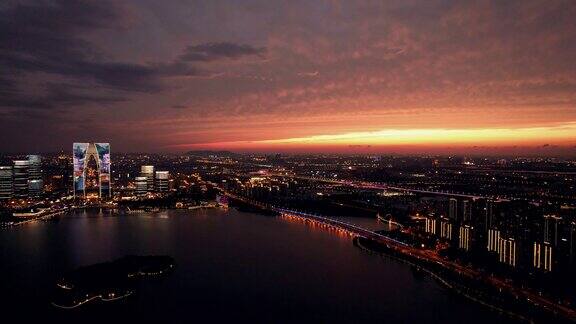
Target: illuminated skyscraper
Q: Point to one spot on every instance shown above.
(35, 188)
(162, 178)
(35, 181)
(141, 186)
(6, 182)
(83, 153)
(21, 177)
(148, 172)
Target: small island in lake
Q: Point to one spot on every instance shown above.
(108, 281)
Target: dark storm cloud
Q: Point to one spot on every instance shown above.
(47, 38)
(224, 50)
(54, 96)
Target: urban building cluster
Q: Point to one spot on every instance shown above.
(518, 234)
(151, 181)
(516, 214)
(28, 181)
(509, 218)
(22, 179)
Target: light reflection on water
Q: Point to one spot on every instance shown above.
(231, 266)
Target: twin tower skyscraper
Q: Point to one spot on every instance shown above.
(97, 155)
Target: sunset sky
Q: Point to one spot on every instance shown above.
(290, 76)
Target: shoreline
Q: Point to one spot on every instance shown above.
(458, 287)
(101, 297)
(126, 210)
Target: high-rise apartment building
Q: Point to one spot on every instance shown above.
(466, 211)
(465, 237)
(453, 209)
(489, 215)
(430, 225)
(542, 256)
(551, 229)
(493, 240)
(508, 251)
(446, 229)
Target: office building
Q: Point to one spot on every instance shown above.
(83, 153)
(141, 186)
(21, 177)
(148, 172)
(6, 182)
(35, 188)
(162, 181)
(35, 181)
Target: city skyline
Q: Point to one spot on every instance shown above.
(265, 161)
(500, 232)
(401, 77)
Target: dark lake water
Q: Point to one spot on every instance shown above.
(231, 266)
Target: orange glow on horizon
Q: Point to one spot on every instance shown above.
(563, 135)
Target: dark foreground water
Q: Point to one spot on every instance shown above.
(231, 266)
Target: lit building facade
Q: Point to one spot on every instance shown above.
(465, 237)
(141, 186)
(430, 225)
(6, 182)
(446, 229)
(162, 181)
(82, 154)
(508, 251)
(148, 172)
(542, 256)
(35, 181)
(493, 239)
(21, 177)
